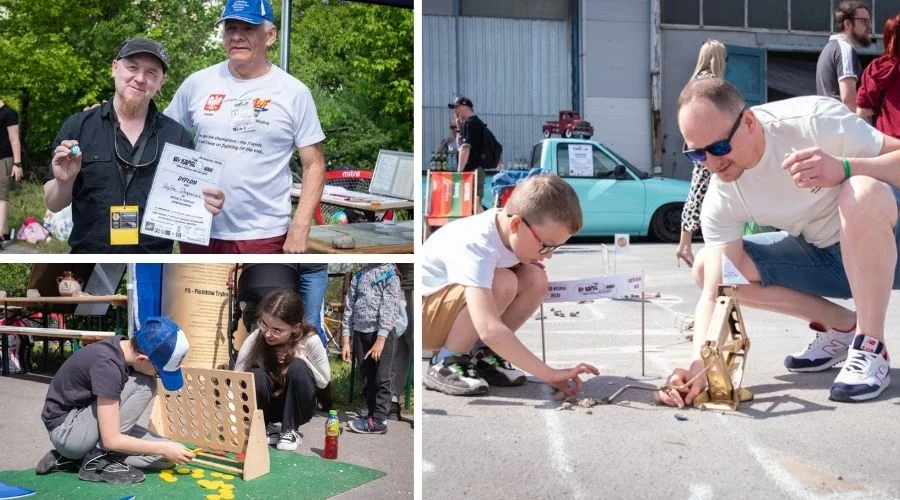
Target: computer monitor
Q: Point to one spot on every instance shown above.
(393, 175)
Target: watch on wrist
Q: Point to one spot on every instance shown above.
(17, 164)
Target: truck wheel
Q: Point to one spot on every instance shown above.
(546, 133)
(665, 225)
(568, 133)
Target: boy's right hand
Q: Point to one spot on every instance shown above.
(562, 376)
(176, 452)
(345, 352)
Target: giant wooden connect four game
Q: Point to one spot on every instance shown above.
(216, 410)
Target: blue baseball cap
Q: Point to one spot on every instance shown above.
(249, 11)
(161, 340)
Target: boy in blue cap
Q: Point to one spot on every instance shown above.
(96, 398)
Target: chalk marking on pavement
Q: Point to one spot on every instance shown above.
(557, 445)
(701, 492)
(427, 466)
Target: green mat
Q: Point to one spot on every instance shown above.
(291, 475)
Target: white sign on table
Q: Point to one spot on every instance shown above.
(175, 208)
(581, 161)
(604, 287)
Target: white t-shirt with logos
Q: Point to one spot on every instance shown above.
(466, 252)
(253, 126)
(766, 194)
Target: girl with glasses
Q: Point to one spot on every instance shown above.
(288, 363)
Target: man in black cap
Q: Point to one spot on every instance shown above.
(471, 143)
(104, 159)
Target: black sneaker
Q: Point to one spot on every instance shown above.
(370, 425)
(289, 441)
(54, 462)
(494, 369)
(455, 376)
(103, 466)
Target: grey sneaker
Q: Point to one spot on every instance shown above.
(456, 377)
(494, 369)
(54, 462)
(103, 466)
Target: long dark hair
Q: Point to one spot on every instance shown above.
(287, 306)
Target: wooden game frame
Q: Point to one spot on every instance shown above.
(215, 410)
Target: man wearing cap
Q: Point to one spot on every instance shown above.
(251, 114)
(104, 159)
(471, 142)
(96, 398)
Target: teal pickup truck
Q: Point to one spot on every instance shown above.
(616, 197)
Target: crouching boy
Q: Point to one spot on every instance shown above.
(96, 398)
(482, 278)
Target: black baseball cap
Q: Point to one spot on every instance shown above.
(134, 46)
(461, 101)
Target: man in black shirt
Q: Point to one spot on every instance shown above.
(471, 143)
(10, 160)
(119, 144)
(96, 398)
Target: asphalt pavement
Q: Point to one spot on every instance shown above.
(791, 441)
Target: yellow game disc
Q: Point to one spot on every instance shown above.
(227, 486)
(226, 495)
(183, 471)
(169, 479)
(212, 497)
(226, 476)
(215, 474)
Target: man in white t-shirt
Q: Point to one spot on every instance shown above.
(482, 278)
(788, 164)
(251, 114)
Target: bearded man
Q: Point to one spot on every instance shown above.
(838, 69)
(104, 159)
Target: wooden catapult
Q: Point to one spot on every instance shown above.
(724, 355)
(215, 410)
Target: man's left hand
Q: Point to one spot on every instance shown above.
(812, 167)
(297, 240)
(17, 173)
(213, 200)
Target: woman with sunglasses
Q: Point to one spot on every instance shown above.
(288, 363)
(710, 64)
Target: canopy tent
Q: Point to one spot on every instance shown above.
(286, 23)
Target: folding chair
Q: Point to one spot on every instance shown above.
(503, 184)
(449, 196)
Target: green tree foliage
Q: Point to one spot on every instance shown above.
(357, 60)
(14, 279)
(55, 59)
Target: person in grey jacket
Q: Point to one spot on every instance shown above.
(371, 311)
(288, 363)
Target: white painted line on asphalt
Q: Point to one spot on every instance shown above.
(701, 492)
(557, 444)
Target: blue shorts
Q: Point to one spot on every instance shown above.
(791, 262)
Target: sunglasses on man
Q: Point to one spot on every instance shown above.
(718, 148)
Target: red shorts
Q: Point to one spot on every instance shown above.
(274, 244)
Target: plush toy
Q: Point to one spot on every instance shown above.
(32, 231)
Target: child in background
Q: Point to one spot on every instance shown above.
(371, 312)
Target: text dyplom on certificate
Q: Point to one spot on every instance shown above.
(175, 207)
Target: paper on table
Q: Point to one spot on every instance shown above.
(175, 208)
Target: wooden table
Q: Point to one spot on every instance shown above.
(370, 237)
(45, 303)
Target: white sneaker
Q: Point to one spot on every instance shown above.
(455, 376)
(273, 432)
(866, 373)
(828, 348)
(289, 441)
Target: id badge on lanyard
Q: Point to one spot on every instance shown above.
(123, 224)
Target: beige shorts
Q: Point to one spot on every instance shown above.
(6, 166)
(439, 312)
